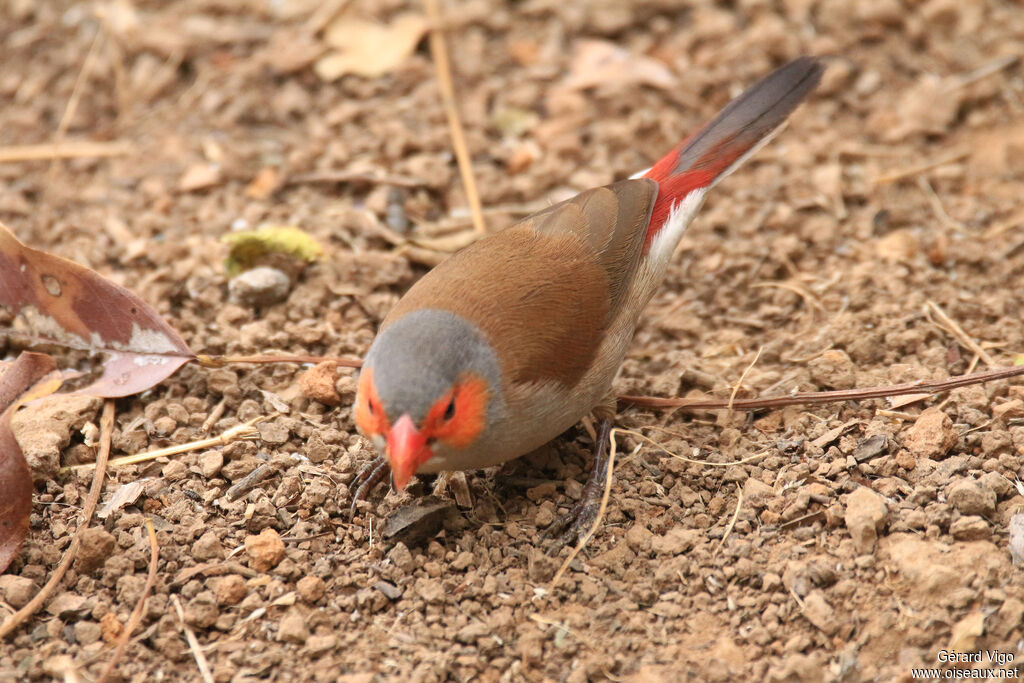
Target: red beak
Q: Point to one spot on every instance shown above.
(406, 446)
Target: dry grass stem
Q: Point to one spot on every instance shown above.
(76, 90)
(439, 52)
(106, 432)
(64, 150)
(732, 521)
(193, 643)
(954, 328)
(825, 397)
(240, 432)
(743, 376)
(938, 209)
(911, 171)
(136, 616)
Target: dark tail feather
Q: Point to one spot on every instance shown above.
(719, 147)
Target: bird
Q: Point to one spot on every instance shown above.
(514, 339)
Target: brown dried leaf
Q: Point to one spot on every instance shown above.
(416, 523)
(19, 380)
(53, 300)
(367, 48)
(598, 62)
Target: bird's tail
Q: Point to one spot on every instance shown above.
(733, 136)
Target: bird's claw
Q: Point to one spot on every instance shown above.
(368, 477)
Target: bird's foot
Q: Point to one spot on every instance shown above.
(368, 477)
(578, 521)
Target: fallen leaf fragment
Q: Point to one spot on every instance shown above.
(54, 300)
(367, 48)
(17, 380)
(598, 62)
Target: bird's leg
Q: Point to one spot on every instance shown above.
(577, 522)
(368, 477)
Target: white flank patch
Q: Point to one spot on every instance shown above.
(680, 215)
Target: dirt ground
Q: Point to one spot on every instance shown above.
(869, 537)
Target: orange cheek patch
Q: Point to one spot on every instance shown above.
(471, 396)
(371, 421)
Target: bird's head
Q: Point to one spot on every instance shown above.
(430, 384)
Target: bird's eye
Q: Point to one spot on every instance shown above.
(369, 406)
(449, 412)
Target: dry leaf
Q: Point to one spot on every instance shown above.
(367, 48)
(598, 62)
(53, 300)
(199, 177)
(966, 632)
(19, 380)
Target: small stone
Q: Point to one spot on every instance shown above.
(402, 558)
(87, 632)
(111, 627)
(971, 498)
(292, 628)
(1013, 408)
(175, 470)
(223, 381)
(97, 545)
(319, 645)
(207, 547)
(230, 589)
(316, 450)
(265, 551)
(970, 528)
(544, 518)
(389, 590)
(462, 560)
(210, 463)
(676, 542)
(201, 611)
(310, 588)
(833, 370)
(430, 590)
(45, 430)
(260, 286)
(164, 426)
(67, 606)
(820, 613)
(1016, 529)
(865, 517)
(317, 383)
(931, 435)
(273, 433)
(1009, 617)
(639, 538)
(17, 591)
(757, 492)
(998, 484)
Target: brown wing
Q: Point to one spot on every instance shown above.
(545, 289)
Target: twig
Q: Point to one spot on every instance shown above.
(743, 376)
(244, 431)
(937, 208)
(961, 336)
(692, 461)
(73, 149)
(732, 522)
(215, 414)
(354, 177)
(221, 361)
(600, 513)
(823, 397)
(983, 71)
(249, 482)
(106, 431)
(439, 51)
(136, 616)
(76, 90)
(955, 155)
(999, 228)
(193, 643)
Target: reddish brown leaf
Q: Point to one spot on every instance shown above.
(53, 300)
(16, 379)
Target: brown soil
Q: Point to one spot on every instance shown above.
(851, 558)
